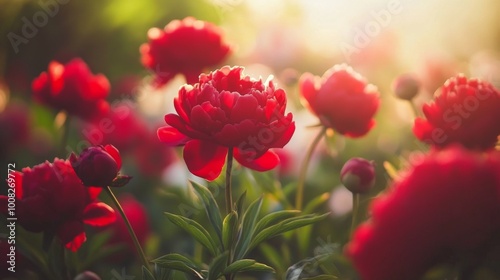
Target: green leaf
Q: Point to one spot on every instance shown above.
(239, 203)
(284, 226)
(178, 262)
(195, 230)
(247, 228)
(229, 227)
(217, 267)
(303, 234)
(277, 260)
(275, 217)
(146, 274)
(258, 267)
(211, 207)
(239, 265)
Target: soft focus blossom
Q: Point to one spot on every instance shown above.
(14, 125)
(342, 99)
(358, 175)
(465, 111)
(151, 156)
(72, 88)
(227, 110)
(186, 47)
(97, 166)
(50, 198)
(447, 207)
(435, 70)
(406, 86)
(122, 127)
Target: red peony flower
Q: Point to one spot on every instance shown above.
(186, 47)
(228, 111)
(446, 208)
(73, 88)
(342, 100)
(50, 198)
(97, 166)
(138, 218)
(463, 111)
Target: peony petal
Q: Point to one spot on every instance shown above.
(286, 134)
(113, 152)
(204, 159)
(308, 86)
(267, 161)
(94, 192)
(72, 235)
(244, 108)
(98, 214)
(172, 136)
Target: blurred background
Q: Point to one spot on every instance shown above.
(381, 39)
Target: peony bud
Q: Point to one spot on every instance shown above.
(97, 166)
(358, 175)
(406, 86)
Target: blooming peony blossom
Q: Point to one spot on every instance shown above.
(97, 166)
(50, 198)
(226, 110)
(72, 88)
(447, 207)
(342, 99)
(184, 47)
(463, 111)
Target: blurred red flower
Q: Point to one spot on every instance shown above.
(50, 198)
(14, 124)
(226, 110)
(463, 111)
(138, 218)
(97, 166)
(342, 99)
(122, 127)
(184, 47)
(447, 207)
(72, 88)
(152, 156)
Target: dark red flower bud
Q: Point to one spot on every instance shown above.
(406, 86)
(358, 175)
(97, 166)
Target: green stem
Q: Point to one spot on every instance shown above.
(414, 108)
(355, 210)
(229, 202)
(299, 197)
(65, 135)
(129, 227)
(229, 167)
